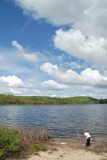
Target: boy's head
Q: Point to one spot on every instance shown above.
(85, 130)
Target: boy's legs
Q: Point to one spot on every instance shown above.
(88, 142)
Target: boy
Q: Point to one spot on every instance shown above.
(87, 135)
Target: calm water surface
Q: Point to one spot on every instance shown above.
(60, 121)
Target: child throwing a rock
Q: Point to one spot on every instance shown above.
(88, 137)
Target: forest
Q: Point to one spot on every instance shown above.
(40, 100)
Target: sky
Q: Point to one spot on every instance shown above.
(53, 48)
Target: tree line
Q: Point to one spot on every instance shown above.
(40, 100)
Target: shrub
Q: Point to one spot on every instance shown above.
(9, 141)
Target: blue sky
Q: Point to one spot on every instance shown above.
(55, 49)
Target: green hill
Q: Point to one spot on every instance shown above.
(38, 100)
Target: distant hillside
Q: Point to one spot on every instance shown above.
(103, 101)
(38, 100)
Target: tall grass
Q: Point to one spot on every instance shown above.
(29, 136)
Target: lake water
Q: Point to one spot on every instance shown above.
(63, 121)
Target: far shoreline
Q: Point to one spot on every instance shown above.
(50, 104)
(47, 101)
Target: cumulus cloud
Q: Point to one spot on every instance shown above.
(94, 21)
(58, 74)
(87, 15)
(11, 81)
(93, 77)
(86, 77)
(30, 57)
(10, 85)
(51, 84)
(90, 49)
(88, 38)
(15, 86)
(57, 12)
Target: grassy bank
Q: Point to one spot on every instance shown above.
(35, 100)
(18, 143)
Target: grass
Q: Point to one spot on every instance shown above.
(54, 148)
(36, 148)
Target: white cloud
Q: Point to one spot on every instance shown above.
(94, 21)
(11, 85)
(87, 15)
(88, 19)
(90, 49)
(66, 77)
(93, 77)
(50, 84)
(86, 77)
(75, 65)
(79, 64)
(11, 81)
(15, 86)
(57, 12)
(30, 57)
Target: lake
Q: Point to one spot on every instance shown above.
(63, 121)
